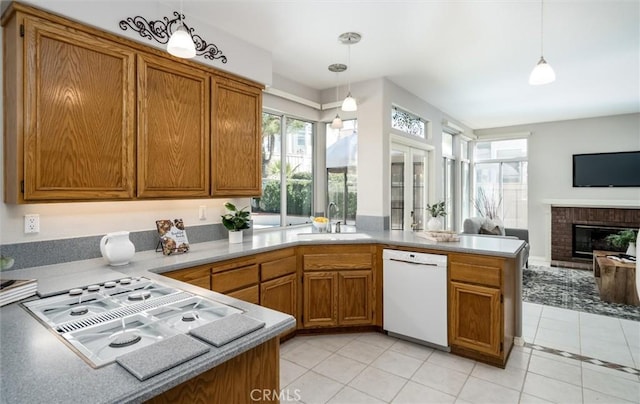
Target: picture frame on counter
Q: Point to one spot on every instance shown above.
(173, 237)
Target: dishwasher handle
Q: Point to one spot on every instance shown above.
(413, 262)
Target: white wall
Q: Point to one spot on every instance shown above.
(551, 146)
(243, 58)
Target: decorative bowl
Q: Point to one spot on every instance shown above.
(320, 223)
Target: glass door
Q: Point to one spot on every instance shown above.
(408, 187)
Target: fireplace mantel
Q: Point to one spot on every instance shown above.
(594, 203)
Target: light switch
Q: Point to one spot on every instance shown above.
(202, 212)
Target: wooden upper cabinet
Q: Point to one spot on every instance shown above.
(173, 129)
(236, 116)
(78, 115)
(89, 116)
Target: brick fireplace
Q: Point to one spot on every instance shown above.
(565, 221)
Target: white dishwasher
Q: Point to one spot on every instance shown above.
(415, 296)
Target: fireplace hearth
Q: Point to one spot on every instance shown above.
(594, 223)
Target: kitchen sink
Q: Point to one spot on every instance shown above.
(332, 236)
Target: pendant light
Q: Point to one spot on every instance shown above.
(349, 38)
(337, 68)
(542, 73)
(180, 43)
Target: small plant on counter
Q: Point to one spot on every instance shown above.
(622, 238)
(437, 209)
(5, 262)
(236, 219)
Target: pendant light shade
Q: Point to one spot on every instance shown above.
(181, 45)
(337, 68)
(349, 104)
(542, 73)
(348, 38)
(337, 123)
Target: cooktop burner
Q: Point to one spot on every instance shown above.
(102, 322)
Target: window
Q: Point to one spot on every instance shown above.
(407, 122)
(465, 180)
(287, 169)
(342, 173)
(408, 187)
(501, 178)
(448, 180)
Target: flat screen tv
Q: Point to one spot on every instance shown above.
(621, 169)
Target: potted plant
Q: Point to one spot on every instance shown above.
(624, 239)
(235, 221)
(437, 210)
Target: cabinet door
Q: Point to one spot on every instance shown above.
(280, 294)
(173, 129)
(236, 126)
(355, 293)
(250, 294)
(320, 299)
(475, 318)
(78, 115)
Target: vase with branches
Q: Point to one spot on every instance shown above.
(488, 206)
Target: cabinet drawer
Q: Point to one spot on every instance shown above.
(474, 269)
(323, 262)
(250, 294)
(235, 279)
(232, 264)
(275, 269)
(191, 275)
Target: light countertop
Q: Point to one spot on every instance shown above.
(38, 367)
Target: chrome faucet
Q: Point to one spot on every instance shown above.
(329, 215)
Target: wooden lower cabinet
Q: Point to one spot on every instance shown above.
(355, 298)
(481, 307)
(198, 276)
(338, 285)
(253, 376)
(250, 294)
(320, 306)
(237, 278)
(476, 317)
(280, 294)
(339, 298)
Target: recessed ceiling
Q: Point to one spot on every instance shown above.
(471, 59)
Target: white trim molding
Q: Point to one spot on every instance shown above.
(503, 136)
(291, 97)
(593, 203)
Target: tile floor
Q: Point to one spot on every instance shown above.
(375, 368)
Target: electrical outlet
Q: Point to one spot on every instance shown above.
(202, 212)
(32, 223)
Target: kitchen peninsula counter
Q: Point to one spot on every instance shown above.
(38, 367)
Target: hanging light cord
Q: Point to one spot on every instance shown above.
(541, 27)
(181, 4)
(349, 66)
(337, 94)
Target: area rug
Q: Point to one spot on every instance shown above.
(572, 289)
